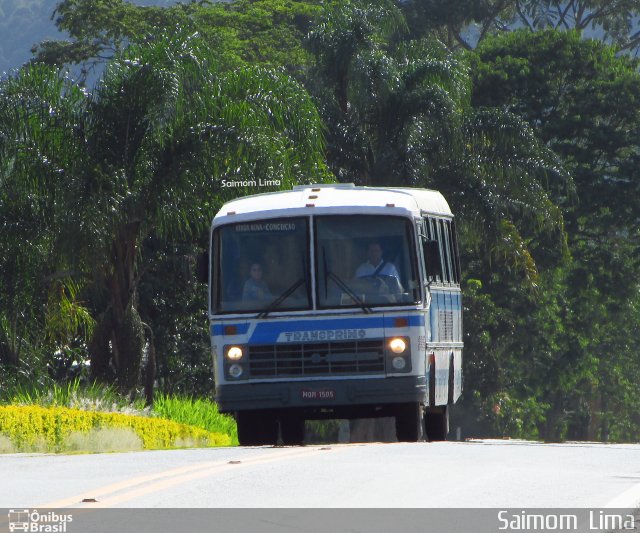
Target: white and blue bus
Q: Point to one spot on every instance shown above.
(336, 301)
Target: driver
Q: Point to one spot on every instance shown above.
(375, 264)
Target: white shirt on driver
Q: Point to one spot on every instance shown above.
(367, 269)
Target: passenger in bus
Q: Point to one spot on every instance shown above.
(255, 288)
(375, 264)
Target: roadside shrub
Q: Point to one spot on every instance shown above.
(29, 426)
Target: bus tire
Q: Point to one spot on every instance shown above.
(436, 422)
(409, 422)
(256, 428)
(451, 384)
(292, 431)
(432, 383)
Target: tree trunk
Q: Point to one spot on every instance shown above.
(128, 342)
(150, 368)
(100, 351)
(10, 341)
(595, 415)
(118, 341)
(551, 428)
(342, 90)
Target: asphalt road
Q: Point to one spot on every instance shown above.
(478, 474)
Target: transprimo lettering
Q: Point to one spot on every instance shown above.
(324, 335)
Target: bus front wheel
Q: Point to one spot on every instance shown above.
(256, 428)
(410, 422)
(436, 421)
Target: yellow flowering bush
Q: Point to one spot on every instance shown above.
(28, 427)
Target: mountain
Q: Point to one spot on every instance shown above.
(25, 23)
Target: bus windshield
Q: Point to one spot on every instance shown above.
(261, 266)
(361, 261)
(365, 260)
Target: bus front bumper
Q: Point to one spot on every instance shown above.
(331, 396)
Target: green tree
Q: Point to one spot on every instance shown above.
(582, 100)
(39, 110)
(244, 31)
(461, 23)
(464, 23)
(145, 155)
(613, 21)
(399, 113)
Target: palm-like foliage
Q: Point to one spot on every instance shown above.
(399, 113)
(145, 154)
(500, 181)
(39, 112)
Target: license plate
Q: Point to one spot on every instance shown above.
(321, 394)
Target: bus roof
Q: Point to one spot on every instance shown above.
(334, 198)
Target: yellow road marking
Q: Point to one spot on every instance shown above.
(109, 489)
(110, 495)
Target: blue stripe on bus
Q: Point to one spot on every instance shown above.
(266, 332)
(270, 331)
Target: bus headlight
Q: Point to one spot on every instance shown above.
(234, 353)
(397, 345)
(398, 350)
(235, 371)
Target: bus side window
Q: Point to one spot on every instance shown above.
(431, 250)
(444, 227)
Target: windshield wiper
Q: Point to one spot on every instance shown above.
(340, 284)
(273, 305)
(349, 291)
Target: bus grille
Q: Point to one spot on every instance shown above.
(317, 359)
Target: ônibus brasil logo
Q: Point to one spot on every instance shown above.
(36, 522)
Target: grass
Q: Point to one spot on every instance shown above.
(195, 412)
(73, 394)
